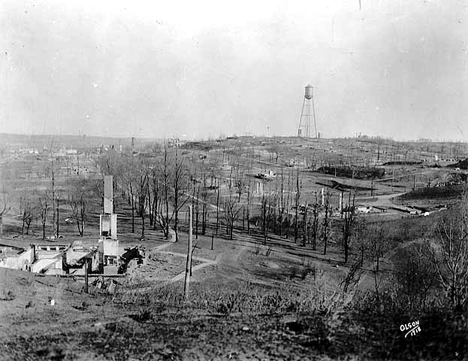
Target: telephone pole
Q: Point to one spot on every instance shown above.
(189, 258)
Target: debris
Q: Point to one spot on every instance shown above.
(112, 287)
(8, 296)
(99, 326)
(294, 326)
(172, 236)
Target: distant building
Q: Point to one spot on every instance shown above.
(174, 143)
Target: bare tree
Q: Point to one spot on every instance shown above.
(174, 178)
(26, 212)
(377, 245)
(314, 229)
(231, 215)
(325, 226)
(197, 211)
(44, 207)
(180, 174)
(54, 207)
(305, 225)
(281, 206)
(355, 272)
(78, 209)
(264, 210)
(450, 254)
(142, 193)
(271, 216)
(239, 185)
(296, 205)
(416, 275)
(57, 218)
(154, 197)
(248, 205)
(4, 209)
(77, 201)
(349, 221)
(287, 221)
(204, 199)
(132, 189)
(218, 190)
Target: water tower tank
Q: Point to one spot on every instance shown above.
(308, 92)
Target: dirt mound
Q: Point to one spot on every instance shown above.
(463, 164)
(353, 172)
(438, 193)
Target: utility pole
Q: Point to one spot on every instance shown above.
(58, 215)
(217, 206)
(189, 258)
(54, 208)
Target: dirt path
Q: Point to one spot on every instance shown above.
(180, 276)
(229, 263)
(381, 200)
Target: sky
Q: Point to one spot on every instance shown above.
(205, 68)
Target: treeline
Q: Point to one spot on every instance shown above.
(353, 172)
(158, 190)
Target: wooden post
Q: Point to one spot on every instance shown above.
(86, 275)
(189, 258)
(212, 238)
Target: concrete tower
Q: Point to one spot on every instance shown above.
(108, 241)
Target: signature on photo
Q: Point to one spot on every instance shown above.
(412, 328)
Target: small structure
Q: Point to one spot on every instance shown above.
(259, 189)
(40, 258)
(79, 256)
(20, 262)
(49, 258)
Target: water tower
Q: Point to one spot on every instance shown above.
(307, 113)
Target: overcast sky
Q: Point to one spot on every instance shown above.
(395, 68)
